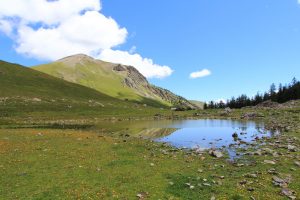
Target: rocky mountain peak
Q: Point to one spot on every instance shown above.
(76, 59)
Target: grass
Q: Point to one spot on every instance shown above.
(29, 95)
(48, 149)
(86, 164)
(99, 76)
(68, 164)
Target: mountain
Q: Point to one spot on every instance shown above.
(115, 80)
(19, 81)
(28, 96)
(199, 104)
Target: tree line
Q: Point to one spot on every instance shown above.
(280, 94)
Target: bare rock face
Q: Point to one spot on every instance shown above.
(135, 80)
(119, 68)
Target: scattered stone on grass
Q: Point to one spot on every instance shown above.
(292, 148)
(271, 162)
(289, 193)
(272, 171)
(216, 153)
(142, 195)
(297, 163)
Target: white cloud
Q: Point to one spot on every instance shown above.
(44, 11)
(144, 65)
(200, 74)
(78, 34)
(6, 27)
(50, 30)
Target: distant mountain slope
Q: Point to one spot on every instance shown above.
(199, 104)
(19, 81)
(28, 96)
(119, 81)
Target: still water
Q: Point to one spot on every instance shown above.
(213, 133)
(200, 134)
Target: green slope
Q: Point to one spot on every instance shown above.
(28, 96)
(19, 81)
(115, 80)
(91, 73)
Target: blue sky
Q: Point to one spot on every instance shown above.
(246, 45)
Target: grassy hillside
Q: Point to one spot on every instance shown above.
(18, 81)
(95, 74)
(27, 96)
(115, 80)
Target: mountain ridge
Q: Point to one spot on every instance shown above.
(116, 80)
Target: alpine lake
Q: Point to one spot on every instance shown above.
(197, 135)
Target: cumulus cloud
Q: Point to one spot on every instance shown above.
(200, 74)
(77, 34)
(144, 65)
(50, 30)
(45, 11)
(5, 27)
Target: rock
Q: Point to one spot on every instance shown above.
(213, 198)
(280, 182)
(235, 135)
(190, 186)
(289, 193)
(270, 162)
(243, 182)
(119, 68)
(292, 148)
(277, 179)
(257, 153)
(268, 104)
(272, 171)
(297, 163)
(249, 116)
(216, 154)
(251, 175)
(142, 195)
(152, 164)
(228, 110)
(36, 100)
(200, 150)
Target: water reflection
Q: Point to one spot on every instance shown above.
(213, 133)
(204, 134)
